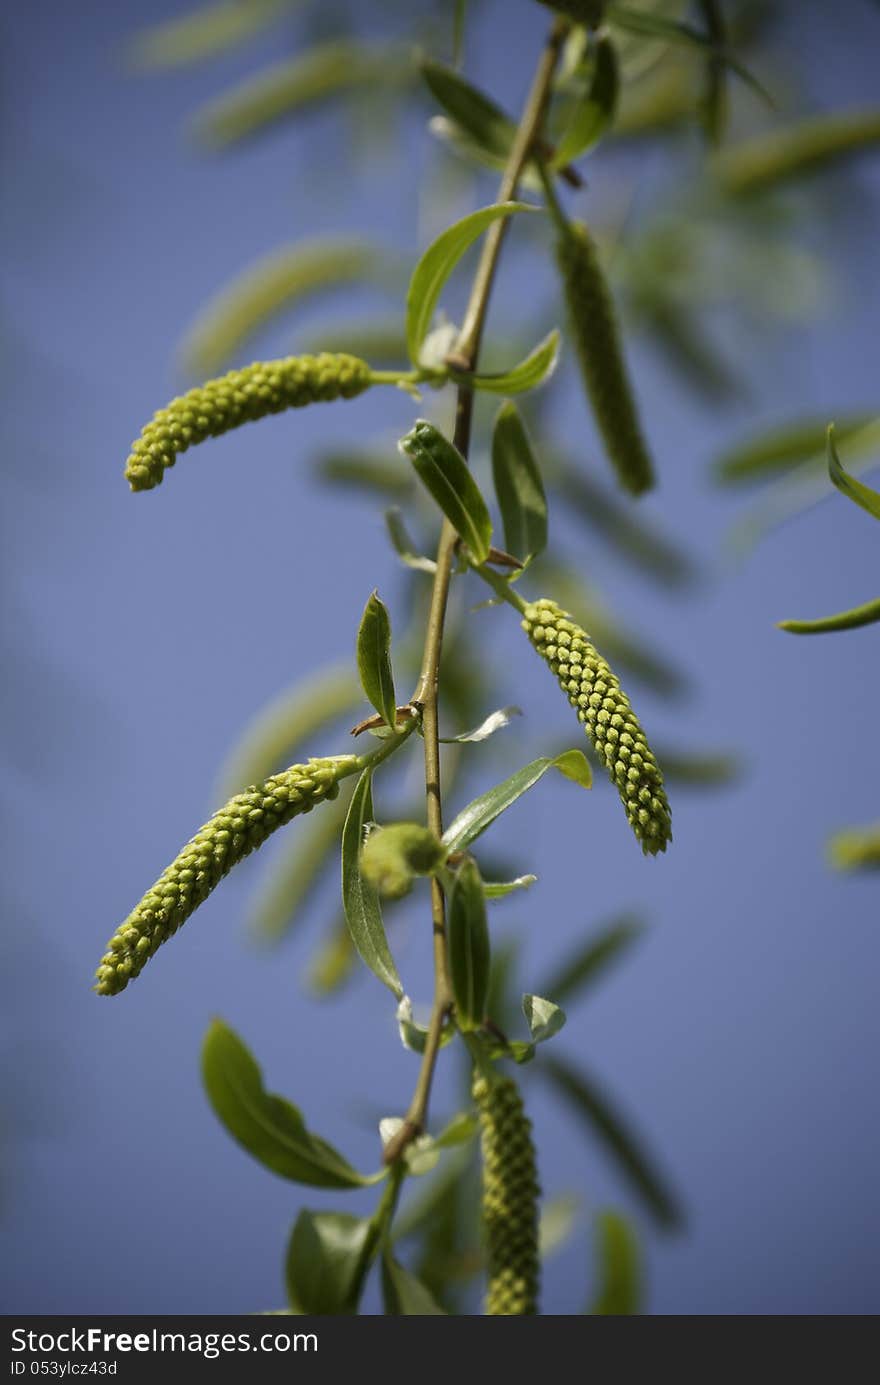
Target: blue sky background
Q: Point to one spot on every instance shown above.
(140, 634)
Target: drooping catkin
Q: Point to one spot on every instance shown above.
(510, 1199)
(240, 396)
(610, 722)
(600, 353)
(236, 830)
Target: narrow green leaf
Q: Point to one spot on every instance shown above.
(544, 1018)
(473, 820)
(445, 475)
(403, 544)
(595, 112)
(213, 28)
(301, 83)
(276, 283)
(594, 1110)
(360, 901)
(714, 104)
(469, 948)
(326, 1262)
(780, 449)
(497, 889)
(374, 658)
(268, 1127)
(590, 960)
(438, 262)
(496, 721)
(528, 374)
(471, 109)
(854, 490)
(854, 619)
(620, 1271)
(403, 1294)
(272, 739)
(518, 485)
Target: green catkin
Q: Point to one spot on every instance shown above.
(610, 722)
(600, 353)
(240, 396)
(236, 830)
(510, 1199)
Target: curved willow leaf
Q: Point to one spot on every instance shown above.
(286, 723)
(527, 374)
(374, 659)
(403, 1294)
(807, 147)
(591, 1107)
(437, 263)
(856, 491)
(620, 1272)
(327, 1259)
(359, 899)
(594, 112)
(273, 285)
(780, 449)
(269, 1127)
(473, 820)
(301, 83)
(857, 616)
(212, 29)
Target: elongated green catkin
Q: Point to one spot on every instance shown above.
(240, 396)
(236, 830)
(610, 722)
(510, 1199)
(597, 341)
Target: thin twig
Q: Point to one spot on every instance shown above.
(464, 357)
